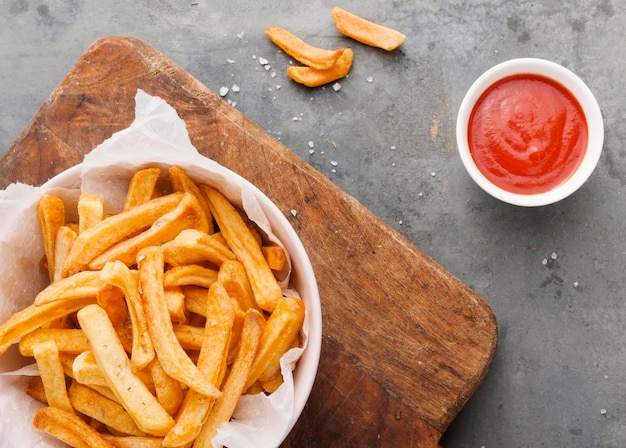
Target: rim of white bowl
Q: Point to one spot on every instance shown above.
(306, 370)
(570, 81)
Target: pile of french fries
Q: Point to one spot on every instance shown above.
(156, 320)
(322, 66)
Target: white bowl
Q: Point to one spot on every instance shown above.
(562, 76)
(302, 280)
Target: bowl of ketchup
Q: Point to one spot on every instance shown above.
(529, 132)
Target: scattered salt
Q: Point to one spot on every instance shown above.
(575, 284)
(370, 79)
(293, 212)
(230, 61)
(240, 35)
(432, 174)
(223, 91)
(311, 151)
(277, 86)
(544, 261)
(235, 88)
(273, 75)
(311, 144)
(263, 61)
(334, 163)
(393, 146)
(333, 170)
(553, 256)
(603, 411)
(336, 87)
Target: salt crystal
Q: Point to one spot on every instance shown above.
(370, 79)
(223, 91)
(544, 261)
(240, 35)
(334, 163)
(263, 61)
(273, 75)
(333, 170)
(311, 151)
(575, 284)
(311, 144)
(553, 256)
(235, 88)
(603, 411)
(267, 67)
(432, 174)
(277, 86)
(293, 212)
(230, 61)
(336, 87)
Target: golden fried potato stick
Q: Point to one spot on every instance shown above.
(141, 187)
(195, 299)
(173, 358)
(102, 236)
(35, 389)
(111, 299)
(128, 388)
(90, 403)
(79, 286)
(295, 47)
(51, 213)
(90, 211)
(64, 241)
(282, 327)
(232, 275)
(72, 341)
(182, 182)
(186, 215)
(169, 391)
(51, 371)
(190, 274)
(275, 256)
(33, 317)
(312, 77)
(234, 386)
(267, 291)
(134, 441)
(68, 428)
(366, 32)
(175, 300)
(118, 274)
(192, 247)
(211, 362)
(86, 371)
(190, 337)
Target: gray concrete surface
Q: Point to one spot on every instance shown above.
(559, 374)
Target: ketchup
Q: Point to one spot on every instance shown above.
(527, 134)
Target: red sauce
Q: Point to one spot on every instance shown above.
(527, 134)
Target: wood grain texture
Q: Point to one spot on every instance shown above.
(405, 343)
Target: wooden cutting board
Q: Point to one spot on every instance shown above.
(405, 344)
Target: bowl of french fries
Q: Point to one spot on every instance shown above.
(163, 301)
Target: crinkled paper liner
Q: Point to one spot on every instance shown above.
(157, 137)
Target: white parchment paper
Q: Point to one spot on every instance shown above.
(157, 137)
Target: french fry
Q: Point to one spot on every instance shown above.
(186, 215)
(232, 275)
(275, 256)
(195, 299)
(102, 236)
(168, 390)
(172, 356)
(141, 187)
(51, 213)
(189, 336)
(267, 291)
(130, 391)
(90, 211)
(224, 406)
(79, 286)
(282, 327)
(303, 52)
(211, 362)
(194, 247)
(33, 317)
(367, 32)
(51, 371)
(71, 341)
(90, 403)
(133, 441)
(118, 274)
(312, 77)
(68, 428)
(63, 244)
(182, 182)
(86, 371)
(175, 300)
(111, 299)
(36, 390)
(191, 274)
